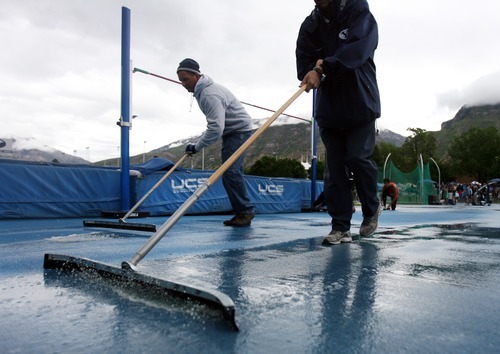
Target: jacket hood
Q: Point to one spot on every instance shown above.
(202, 83)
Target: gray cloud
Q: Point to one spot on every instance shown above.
(483, 91)
(60, 64)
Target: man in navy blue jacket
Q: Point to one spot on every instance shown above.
(335, 50)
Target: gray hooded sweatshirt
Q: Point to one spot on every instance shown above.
(224, 112)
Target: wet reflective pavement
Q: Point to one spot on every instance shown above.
(427, 282)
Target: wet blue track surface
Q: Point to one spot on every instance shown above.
(427, 282)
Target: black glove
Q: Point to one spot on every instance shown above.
(190, 150)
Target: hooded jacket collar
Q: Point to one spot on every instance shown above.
(202, 83)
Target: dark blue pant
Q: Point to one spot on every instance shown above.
(352, 149)
(232, 179)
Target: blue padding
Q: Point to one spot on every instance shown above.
(42, 190)
(306, 193)
(154, 165)
(269, 195)
(275, 195)
(39, 190)
(169, 196)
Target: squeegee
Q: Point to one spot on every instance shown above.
(128, 273)
(122, 224)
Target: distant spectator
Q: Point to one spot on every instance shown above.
(443, 193)
(466, 194)
(389, 189)
(319, 203)
(451, 195)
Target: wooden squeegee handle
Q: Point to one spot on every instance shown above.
(218, 173)
(158, 235)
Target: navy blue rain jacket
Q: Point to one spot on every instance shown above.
(348, 96)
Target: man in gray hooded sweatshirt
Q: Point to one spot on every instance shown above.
(226, 119)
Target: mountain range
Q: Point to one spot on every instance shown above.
(291, 141)
(281, 141)
(22, 149)
(467, 117)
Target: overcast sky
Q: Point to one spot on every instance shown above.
(60, 65)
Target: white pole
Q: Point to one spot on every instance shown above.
(439, 177)
(385, 164)
(422, 182)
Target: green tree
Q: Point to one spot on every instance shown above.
(446, 169)
(421, 142)
(382, 150)
(320, 171)
(476, 153)
(272, 167)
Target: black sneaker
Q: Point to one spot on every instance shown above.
(240, 220)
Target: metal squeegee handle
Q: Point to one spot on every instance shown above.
(154, 188)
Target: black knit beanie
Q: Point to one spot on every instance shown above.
(189, 65)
